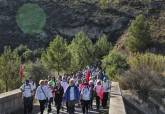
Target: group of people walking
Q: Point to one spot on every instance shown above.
(80, 88)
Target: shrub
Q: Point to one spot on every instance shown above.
(151, 61)
(21, 49)
(145, 73)
(114, 64)
(36, 70)
(138, 35)
(142, 81)
(9, 66)
(28, 55)
(102, 47)
(104, 4)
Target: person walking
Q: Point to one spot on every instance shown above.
(91, 86)
(87, 74)
(42, 94)
(59, 92)
(106, 88)
(52, 80)
(26, 89)
(72, 96)
(50, 90)
(99, 93)
(65, 85)
(33, 86)
(85, 97)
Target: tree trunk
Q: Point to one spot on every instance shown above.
(58, 70)
(6, 84)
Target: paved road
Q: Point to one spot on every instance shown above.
(78, 110)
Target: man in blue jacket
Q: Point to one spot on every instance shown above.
(72, 96)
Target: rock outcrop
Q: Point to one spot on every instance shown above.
(65, 19)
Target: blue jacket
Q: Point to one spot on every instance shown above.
(76, 93)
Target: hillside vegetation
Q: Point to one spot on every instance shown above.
(126, 38)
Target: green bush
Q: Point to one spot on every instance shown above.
(115, 1)
(9, 69)
(36, 70)
(142, 81)
(104, 4)
(114, 64)
(148, 60)
(102, 47)
(2, 86)
(21, 49)
(145, 74)
(38, 52)
(28, 55)
(138, 35)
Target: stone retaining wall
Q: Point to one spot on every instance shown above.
(116, 100)
(10, 101)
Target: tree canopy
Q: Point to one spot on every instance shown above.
(138, 35)
(57, 57)
(82, 50)
(102, 47)
(9, 67)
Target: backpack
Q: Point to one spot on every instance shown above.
(86, 93)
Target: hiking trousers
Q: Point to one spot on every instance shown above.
(50, 104)
(28, 104)
(42, 105)
(85, 106)
(97, 102)
(105, 99)
(71, 107)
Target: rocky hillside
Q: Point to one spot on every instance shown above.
(67, 17)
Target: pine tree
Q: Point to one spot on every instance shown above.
(82, 50)
(9, 66)
(114, 63)
(138, 35)
(57, 57)
(102, 47)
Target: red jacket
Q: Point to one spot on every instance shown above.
(87, 75)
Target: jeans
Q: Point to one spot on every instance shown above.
(105, 99)
(49, 104)
(97, 102)
(42, 105)
(28, 104)
(85, 106)
(71, 107)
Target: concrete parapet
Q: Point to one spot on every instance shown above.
(116, 101)
(10, 101)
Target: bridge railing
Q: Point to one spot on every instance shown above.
(116, 100)
(10, 101)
